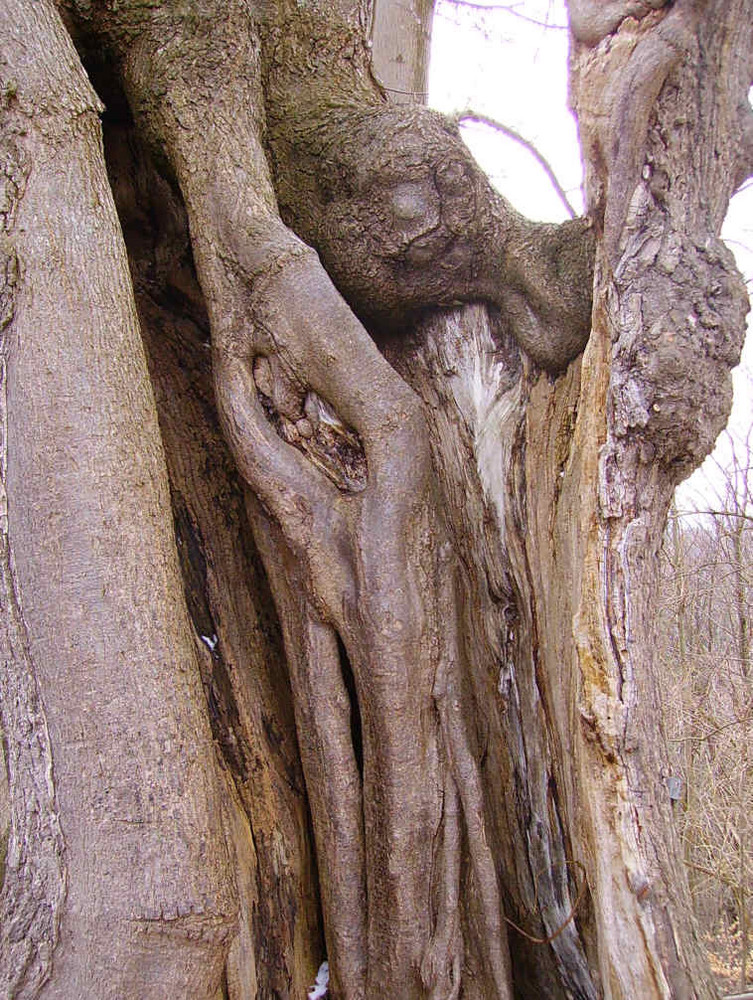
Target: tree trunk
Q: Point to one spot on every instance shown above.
(668, 318)
(399, 37)
(117, 874)
(327, 598)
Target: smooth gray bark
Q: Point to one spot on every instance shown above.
(117, 881)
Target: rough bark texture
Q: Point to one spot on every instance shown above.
(661, 137)
(96, 621)
(373, 674)
(237, 635)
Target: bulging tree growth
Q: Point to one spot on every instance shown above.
(333, 490)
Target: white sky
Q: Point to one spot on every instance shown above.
(501, 64)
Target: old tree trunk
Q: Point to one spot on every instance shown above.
(326, 549)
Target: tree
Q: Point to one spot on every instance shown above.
(328, 573)
(707, 695)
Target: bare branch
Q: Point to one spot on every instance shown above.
(473, 116)
(714, 732)
(714, 873)
(508, 9)
(740, 515)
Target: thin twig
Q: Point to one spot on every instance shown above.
(474, 116)
(714, 732)
(712, 873)
(571, 916)
(508, 10)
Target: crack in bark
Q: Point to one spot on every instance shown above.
(306, 421)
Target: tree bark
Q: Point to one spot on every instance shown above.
(669, 313)
(376, 665)
(117, 881)
(399, 37)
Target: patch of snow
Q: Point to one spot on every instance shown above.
(319, 989)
